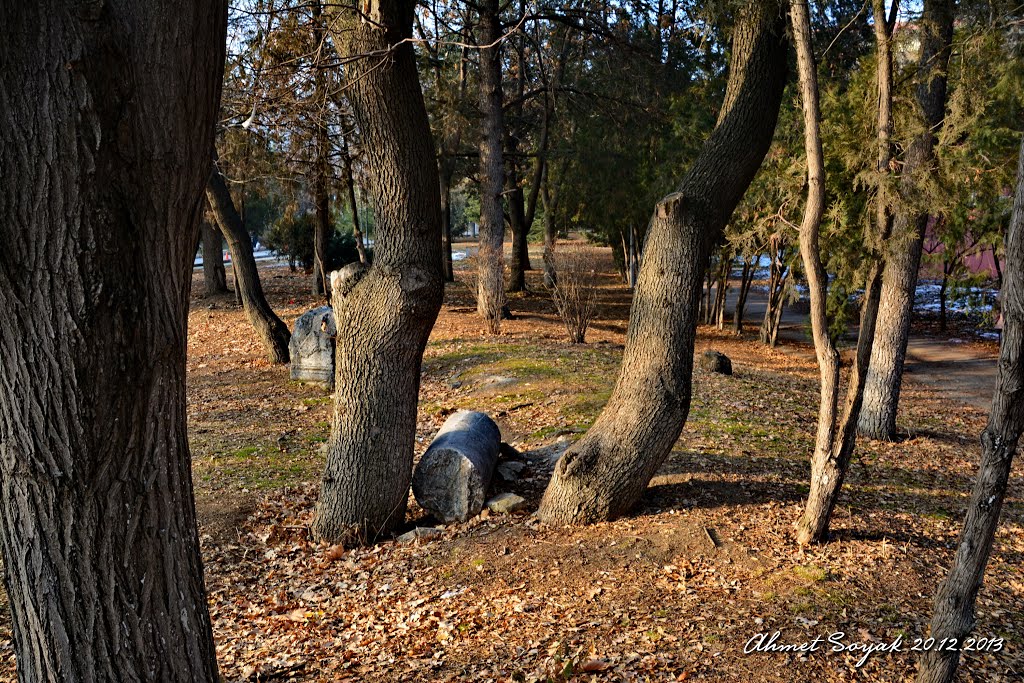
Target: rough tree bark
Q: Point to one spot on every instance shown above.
(214, 276)
(954, 602)
(606, 472)
(384, 313)
(274, 333)
(903, 257)
(490, 255)
(105, 133)
(828, 467)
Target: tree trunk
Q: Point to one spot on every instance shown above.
(321, 231)
(549, 198)
(490, 256)
(954, 602)
(101, 219)
(903, 259)
(606, 472)
(353, 205)
(322, 227)
(828, 469)
(746, 279)
(520, 261)
(274, 333)
(810, 250)
(384, 313)
(214, 276)
(445, 172)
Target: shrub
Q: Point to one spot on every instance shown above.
(575, 288)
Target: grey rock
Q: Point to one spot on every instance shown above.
(715, 361)
(506, 503)
(312, 347)
(452, 477)
(510, 471)
(419, 532)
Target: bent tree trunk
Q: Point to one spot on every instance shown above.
(274, 333)
(490, 255)
(101, 218)
(954, 601)
(903, 258)
(214, 277)
(384, 313)
(810, 250)
(606, 472)
(828, 467)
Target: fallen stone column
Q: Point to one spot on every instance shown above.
(452, 477)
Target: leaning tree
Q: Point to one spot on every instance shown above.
(107, 126)
(606, 472)
(954, 602)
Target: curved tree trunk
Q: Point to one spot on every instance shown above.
(214, 276)
(101, 218)
(810, 251)
(954, 601)
(607, 471)
(490, 255)
(828, 468)
(384, 313)
(272, 331)
(903, 259)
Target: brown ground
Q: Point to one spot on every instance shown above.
(672, 592)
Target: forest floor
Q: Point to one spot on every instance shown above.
(674, 591)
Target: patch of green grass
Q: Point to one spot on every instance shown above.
(318, 401)
(810, 572)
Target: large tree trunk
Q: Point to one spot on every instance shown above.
(490, 255)
(274, 333)
(903, 259)
(954, 602)
(828, 467)
(384, 313)
(606, 472)
(105, 134)
(214, 277)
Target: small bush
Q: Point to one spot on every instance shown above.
(575, 288)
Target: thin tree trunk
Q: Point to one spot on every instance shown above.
(605, 473)
(828, 473)
(445, 172)
(903, 259)
(353, 205)
(322, 227)
(746, 279)
(272, 332)
(385, 312)
(214, 277)
(810, 250)
(491, 257)
(954, 602)
(520, 261)
(101, 210)
(946, 263)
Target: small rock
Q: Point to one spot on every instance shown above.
(419, 532)
(506, 503)
(510, 471)
(715, 361)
